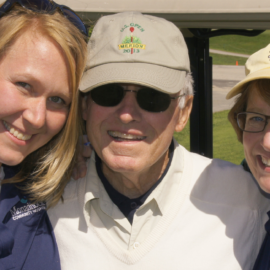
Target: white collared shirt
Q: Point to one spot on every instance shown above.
(205, 214)
(145, 218)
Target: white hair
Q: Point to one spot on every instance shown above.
(187, 90)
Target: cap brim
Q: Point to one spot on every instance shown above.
(158, 77)
(238, 88)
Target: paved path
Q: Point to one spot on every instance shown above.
(224, 78)
(229, 53)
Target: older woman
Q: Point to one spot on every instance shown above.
(42, 57)
(250, 118)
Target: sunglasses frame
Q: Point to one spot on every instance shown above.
(50, 7)
(138, 101)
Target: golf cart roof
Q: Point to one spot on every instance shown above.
(230, 14)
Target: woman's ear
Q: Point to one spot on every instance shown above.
(184, 114)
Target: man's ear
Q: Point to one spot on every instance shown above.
(84, 106)
(184, 114)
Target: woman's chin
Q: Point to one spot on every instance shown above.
(261, 173)
(11, 160)
(264, 183)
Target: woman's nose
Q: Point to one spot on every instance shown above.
(35, 112)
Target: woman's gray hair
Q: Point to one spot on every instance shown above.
(187, 90)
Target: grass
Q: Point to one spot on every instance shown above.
(240, 44)
(220, 59)
(225, 143)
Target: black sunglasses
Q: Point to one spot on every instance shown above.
(46, 6)
(148, 99)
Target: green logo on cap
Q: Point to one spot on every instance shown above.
(131, 44)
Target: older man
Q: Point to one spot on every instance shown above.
(146, 202)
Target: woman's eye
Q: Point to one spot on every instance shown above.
(24, 85)
(257, 119)
(57, 100)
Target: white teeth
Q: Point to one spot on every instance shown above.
(19, 136)
(16, 133)
(26, 137)
(265, 161)
(119, 135)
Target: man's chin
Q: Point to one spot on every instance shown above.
(121, 164)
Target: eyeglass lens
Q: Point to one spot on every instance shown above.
(148, 99)
(251, 122)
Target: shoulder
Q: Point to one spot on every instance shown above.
(75, 189)
(217, 170)
(221, 168)
(222, 183)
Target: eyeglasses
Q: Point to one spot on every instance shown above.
(148, 99)
(252, 122)
(47, 6)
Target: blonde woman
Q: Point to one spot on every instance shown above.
(42, 58)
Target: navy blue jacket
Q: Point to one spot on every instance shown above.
(27, 241)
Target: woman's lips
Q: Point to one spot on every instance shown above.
(16, 133)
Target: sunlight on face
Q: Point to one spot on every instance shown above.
(128, 139)
(35, 92)
(257, 145)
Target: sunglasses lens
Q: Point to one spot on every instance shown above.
(71, 16)
(152, 100)
(108, 95)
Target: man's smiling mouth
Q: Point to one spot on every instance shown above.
(16, 133)
(119, 136)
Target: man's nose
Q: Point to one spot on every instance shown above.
(35, 112)
(129, 109)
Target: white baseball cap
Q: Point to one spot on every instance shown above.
(130, 47)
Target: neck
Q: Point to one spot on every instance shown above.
(134, 185)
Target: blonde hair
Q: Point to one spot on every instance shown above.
(262, 87)
(45, 172)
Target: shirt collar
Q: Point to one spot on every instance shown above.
(95, 190)
(165, 191)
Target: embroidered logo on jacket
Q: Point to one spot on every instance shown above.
(26, 210)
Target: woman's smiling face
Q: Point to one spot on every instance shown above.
(35, 95)
(257, 145)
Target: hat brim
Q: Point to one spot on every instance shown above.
(161, 78)
(238, 88)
